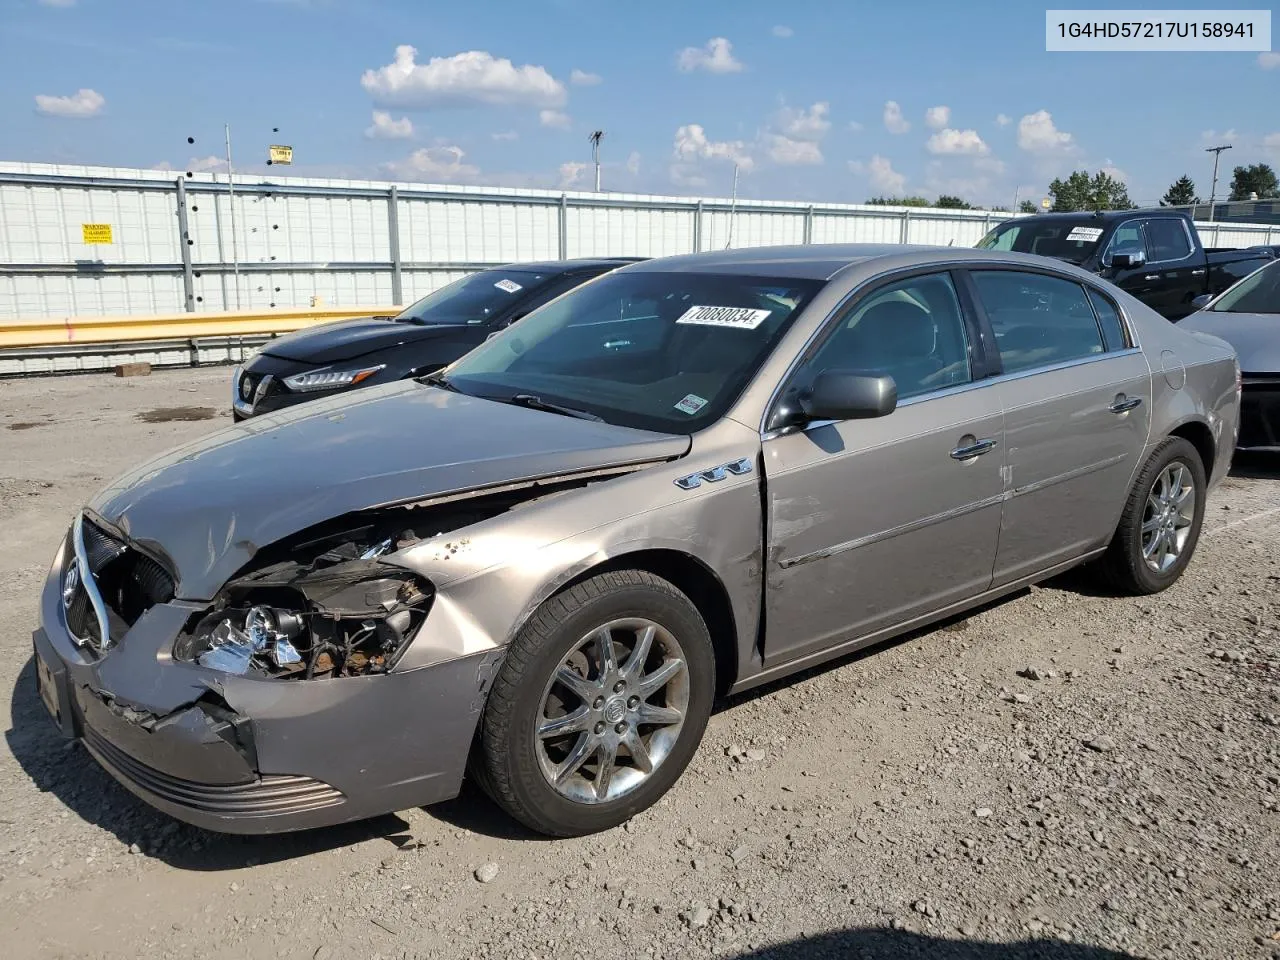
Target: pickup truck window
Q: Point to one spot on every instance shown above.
(1127, 239)
(1168, 239)
(1038, 320)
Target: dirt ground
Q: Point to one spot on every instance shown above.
(931, 798)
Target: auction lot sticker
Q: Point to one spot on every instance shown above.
(744, 317)
(1087, 234)
(1236, 31)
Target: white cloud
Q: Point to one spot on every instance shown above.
(57, 3)
(894, 121)
(571, 173)
(691, 143)
(1271, 144)
(385, 128)
(1112, 170)
(963, 142)
(81, 104)
(1038, 134)
(1269, 60)
(1003, 119)
(800, 124)
(209, 164)
(936, 118)
(793, 153)
(436, 164)
(783, 32)
(715, 57)
(1211, 138)
(505, 135)
(879, 171)
(465, 79)
(633, 162)
(855, 126)
(583, 79)
(554, 118)
(686, 175)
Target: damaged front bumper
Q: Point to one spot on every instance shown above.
(247, 754)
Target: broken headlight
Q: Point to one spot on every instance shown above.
(350, 619)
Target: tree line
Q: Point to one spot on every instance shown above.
(1101, 191)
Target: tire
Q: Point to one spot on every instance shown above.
(1124, 566)
(517, 767)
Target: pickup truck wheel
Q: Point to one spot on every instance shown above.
(1160, 526)
(599, 706)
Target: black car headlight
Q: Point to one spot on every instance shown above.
(329, 378)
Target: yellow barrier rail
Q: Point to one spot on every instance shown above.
(62, 331)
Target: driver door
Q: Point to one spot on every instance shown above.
(875, 522)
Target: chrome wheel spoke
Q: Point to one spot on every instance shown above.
(576, 722)
(639, 752)
(605, 657)
(1151, 526)
(658, 716)
(655, 681)
(608, 758)
(581, 752)
(579, 686)
(640, 653)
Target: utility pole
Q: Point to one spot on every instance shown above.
(231, 199)
(1213, 189)
(595, 139)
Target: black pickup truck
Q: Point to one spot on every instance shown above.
(1155, 255)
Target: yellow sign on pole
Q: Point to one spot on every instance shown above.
(279, 154)
(1044, 204)
(96, 232)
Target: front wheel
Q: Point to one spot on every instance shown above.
(599, 706)
(1160, 526)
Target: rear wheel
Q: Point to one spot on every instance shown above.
(600, 704)
(1160, 526)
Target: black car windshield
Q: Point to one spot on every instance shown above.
(1259, 292)
(655, 351)
(476, 298)
(1070, 240)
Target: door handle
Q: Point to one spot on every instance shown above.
(1123, 404)
(1152, 276)
(1197, 273)
(975, 448)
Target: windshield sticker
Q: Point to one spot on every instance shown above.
(508, 286)
(1085, 234)
(691, 404)
(743, 317)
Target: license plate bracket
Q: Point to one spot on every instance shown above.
(52, 688)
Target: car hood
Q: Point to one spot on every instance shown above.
(209, 506)
(1255, 336)
(349, 339)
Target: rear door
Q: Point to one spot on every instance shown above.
(1076, 394)
(874, 522)
(1174, 273)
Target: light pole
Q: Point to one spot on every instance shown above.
(595, 139)
(1213, 188)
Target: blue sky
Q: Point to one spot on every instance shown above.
(800, 94)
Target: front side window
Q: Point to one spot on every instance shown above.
(912, 330)
(1257, 293)
(1038, 320)
(645, 349)
(1167, 239)
(1128, 239)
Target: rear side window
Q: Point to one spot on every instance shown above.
(1167, 240)
(1038, 320)
(1113, 333)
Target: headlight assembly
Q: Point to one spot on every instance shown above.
(329, 379)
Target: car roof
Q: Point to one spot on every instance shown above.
(557, 267)
(1106, 216)
(815, 261)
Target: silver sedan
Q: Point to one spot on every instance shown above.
(680, 480)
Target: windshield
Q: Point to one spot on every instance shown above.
(476, 298)
(656, 351)
(1070, 240)
(1257, 293)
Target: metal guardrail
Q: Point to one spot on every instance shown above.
(137, 331)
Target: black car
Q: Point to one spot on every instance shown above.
(323, 360)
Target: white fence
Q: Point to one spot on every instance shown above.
(305, 242)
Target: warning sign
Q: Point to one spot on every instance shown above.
(96, 232)
(278, 154)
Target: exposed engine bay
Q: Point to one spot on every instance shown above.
(322, 604)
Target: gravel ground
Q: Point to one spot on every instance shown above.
(1062, 775)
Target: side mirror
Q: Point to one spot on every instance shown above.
(1127, 261)
(844, 395)
(1202, 301)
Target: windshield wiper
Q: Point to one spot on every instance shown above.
(537, 403)
(438, 379)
